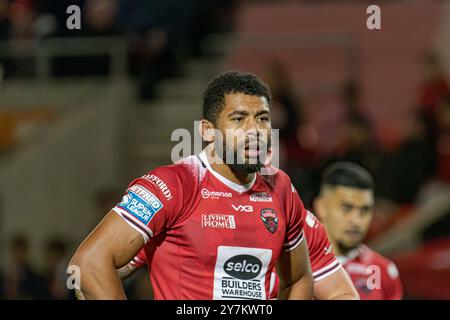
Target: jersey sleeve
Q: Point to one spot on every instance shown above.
(139, 260)
(393, 289)
(295, 218)
(153, 202)
(322, 258)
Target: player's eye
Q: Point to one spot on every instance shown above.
(346, 208)
(365, 211)
(264, 119)
(237, 119)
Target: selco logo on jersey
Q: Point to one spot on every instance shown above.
(240, 272)
(215, 194)
(157, 182)
(244, 267)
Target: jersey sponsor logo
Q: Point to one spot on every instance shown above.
(140, 203)
(219, 221)
(242, 208)
(215, 194)
(149, 197)
(327, 249)
(356, 268)
(260, 197)
(240, 273)
(244, 267)
(270, 219)
(310, 219)
(157, 182)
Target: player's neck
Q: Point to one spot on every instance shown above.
(237, 177)
(344, 252)
(228, 173)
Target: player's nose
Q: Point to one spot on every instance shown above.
(251, 124)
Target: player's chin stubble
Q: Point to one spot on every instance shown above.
(242, 166)
(345, 248)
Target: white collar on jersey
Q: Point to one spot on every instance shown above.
(233, 185)
(352, 254)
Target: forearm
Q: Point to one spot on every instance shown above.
(300, 290)
(337, 286)
(99, 280)
(344, 296)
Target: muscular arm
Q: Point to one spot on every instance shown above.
(111, 245)
(293, 268)
(337, 286)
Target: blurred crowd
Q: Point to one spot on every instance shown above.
(160, 35)
(404, 171)
(22, 278)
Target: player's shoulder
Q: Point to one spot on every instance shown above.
(187, 169)
(311, 221)
(375, 258)
(177, 176)
(313, 228)
(277, 179)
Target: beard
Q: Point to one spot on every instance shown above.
(246, 168)
(246, 165)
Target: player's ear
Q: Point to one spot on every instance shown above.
(207, 131)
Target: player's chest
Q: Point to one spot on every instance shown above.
(229, 218)
(367, 279)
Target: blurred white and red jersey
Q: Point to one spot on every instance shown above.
(374, 276)
(210, 237)
(323, 261)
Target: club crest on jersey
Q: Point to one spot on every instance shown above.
(270, 219)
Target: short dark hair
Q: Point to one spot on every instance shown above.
(347, 174)
(231, 82)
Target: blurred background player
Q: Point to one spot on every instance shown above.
(345, 206)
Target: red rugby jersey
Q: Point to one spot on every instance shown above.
(323, 261)
(210, 238)
(374, 276)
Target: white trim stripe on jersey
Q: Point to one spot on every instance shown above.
(273, 278)
(134, 223)
(326, 271)
(137, 261)
(294, 243)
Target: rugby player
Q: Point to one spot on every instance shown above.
(176, 209)
(345, 207)
(331, 281)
